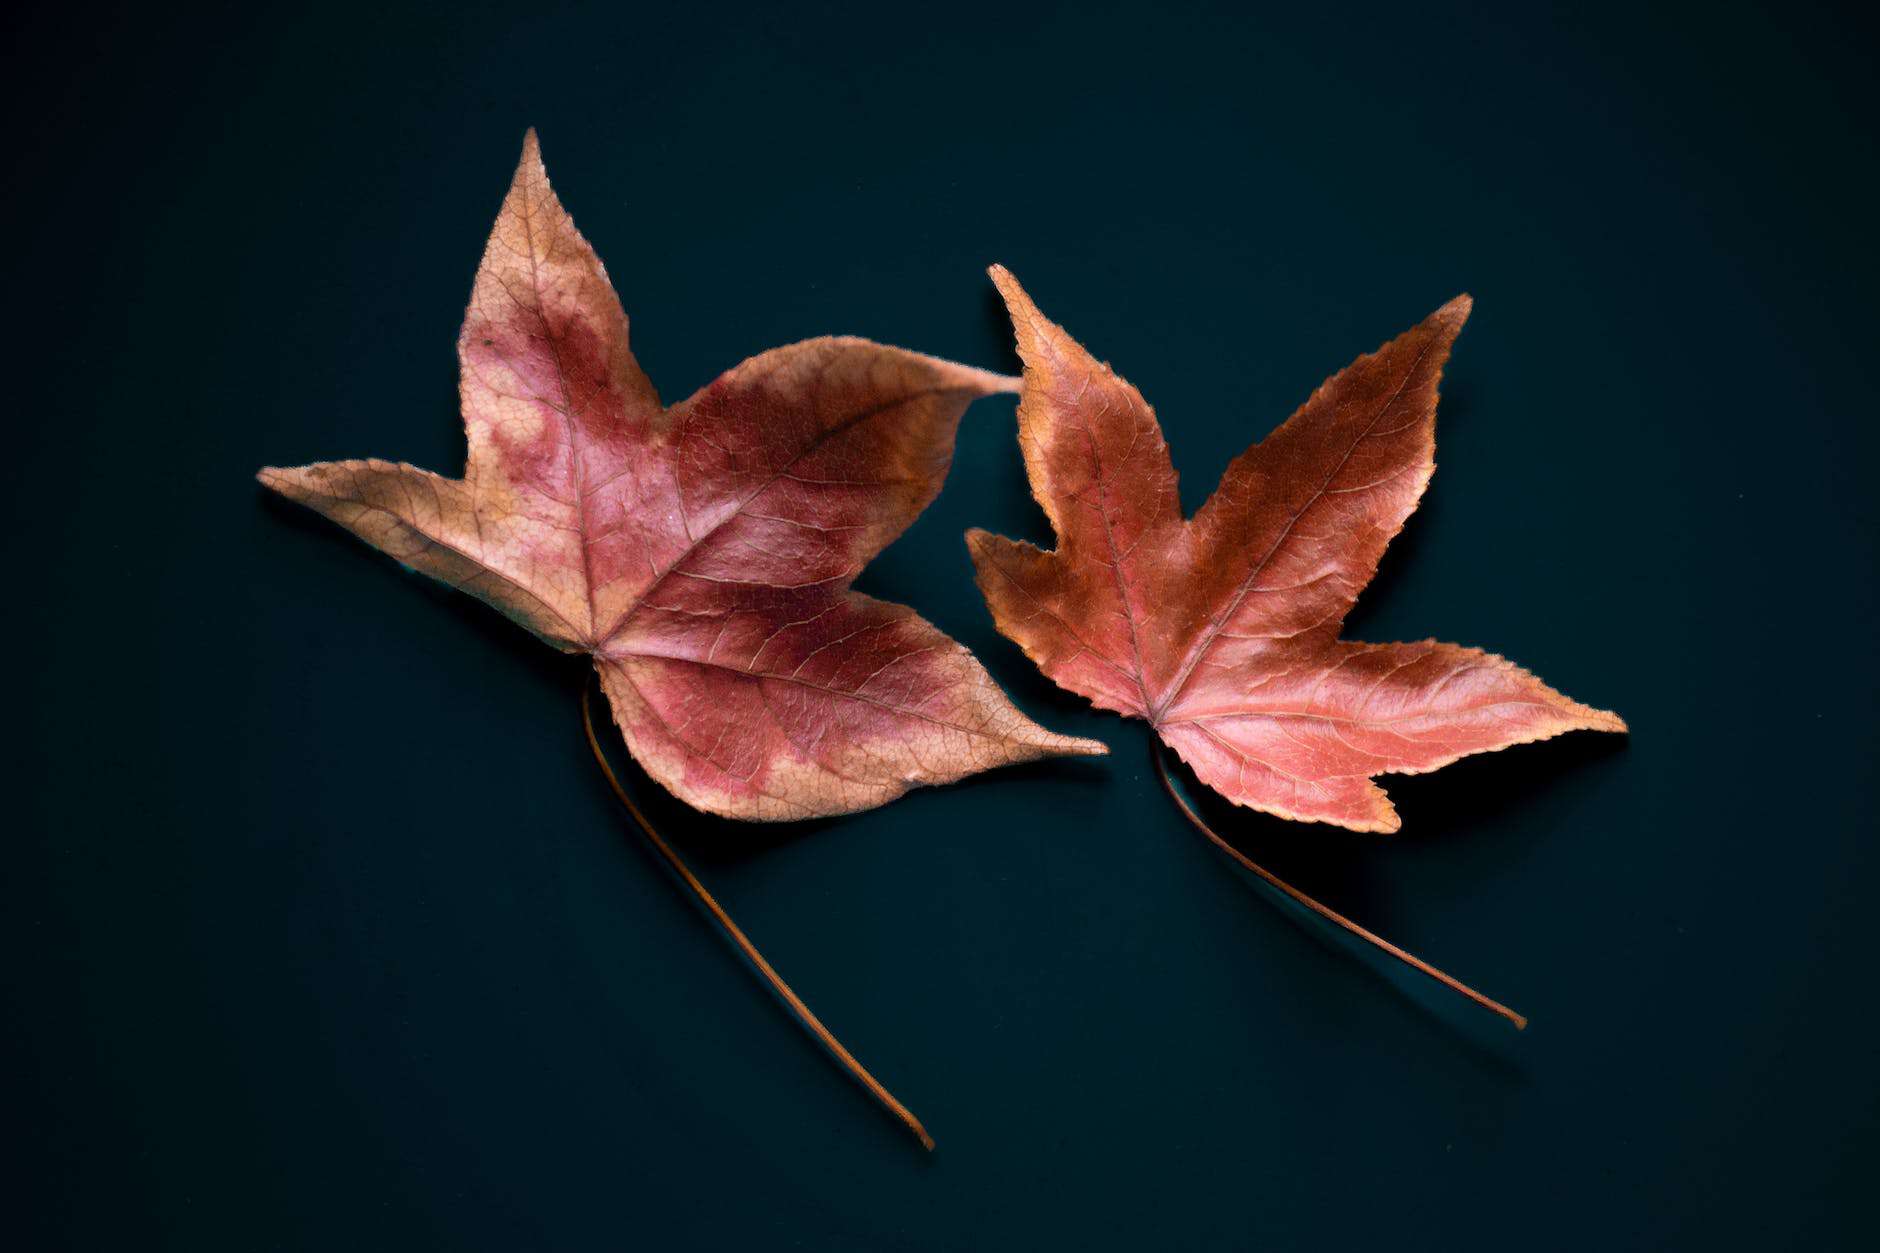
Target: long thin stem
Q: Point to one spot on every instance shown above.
(809, 1020)
(1324, 911)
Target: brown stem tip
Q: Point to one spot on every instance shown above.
(810, 1022)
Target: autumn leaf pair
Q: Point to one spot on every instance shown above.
(703, 553)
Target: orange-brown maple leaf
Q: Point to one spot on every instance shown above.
(1222, 630)
(702, 553)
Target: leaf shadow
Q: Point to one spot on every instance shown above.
(1468, 799)
(1078, 771)
(998, 324)
(484, 623)
(1406, 555)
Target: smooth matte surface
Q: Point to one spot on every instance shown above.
(283, 970)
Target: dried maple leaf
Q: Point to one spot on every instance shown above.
(1222, 630)
(702, 554)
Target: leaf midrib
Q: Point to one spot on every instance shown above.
(1205, 641)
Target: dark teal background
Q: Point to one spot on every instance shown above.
(322, 931)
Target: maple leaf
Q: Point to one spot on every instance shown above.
(1222, 630)
(702, 553)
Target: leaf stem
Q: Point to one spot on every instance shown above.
(809, 1020)
(1324, 911)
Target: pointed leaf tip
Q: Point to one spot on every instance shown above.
(1007, 284)
(280, 479)
(529, 164)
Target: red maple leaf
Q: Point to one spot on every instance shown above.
(1222, 630)
(702, 553)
